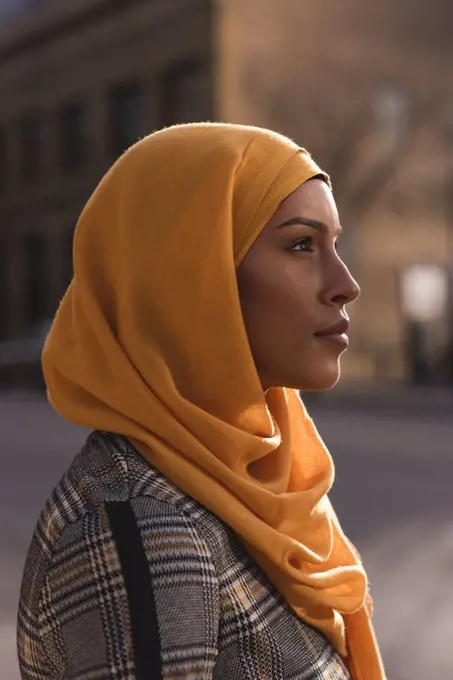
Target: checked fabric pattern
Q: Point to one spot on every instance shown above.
(128, 578)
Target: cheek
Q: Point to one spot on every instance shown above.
(279, 299)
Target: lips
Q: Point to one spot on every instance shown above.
(339, 328)
(336, 333)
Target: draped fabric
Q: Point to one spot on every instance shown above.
(149, 342)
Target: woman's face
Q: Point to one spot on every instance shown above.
(294, 289)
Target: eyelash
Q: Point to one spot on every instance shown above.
(307, 241)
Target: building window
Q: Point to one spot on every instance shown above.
(31, 147)
(5, 301)
(67, 269)
(3, 161)
(125, 117)
(74, 146)
(182, 98)
(36, 282)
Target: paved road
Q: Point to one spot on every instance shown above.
(393, 493)
(394, 496)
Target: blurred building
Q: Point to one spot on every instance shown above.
(80, 81)
(366, 87)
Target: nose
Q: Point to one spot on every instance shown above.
(342, 288)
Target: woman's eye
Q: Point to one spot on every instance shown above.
(303, 245)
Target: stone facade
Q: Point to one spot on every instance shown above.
(80, 81)
(366, 88)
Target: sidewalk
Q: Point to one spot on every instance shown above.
(382, 399)
(393, 400)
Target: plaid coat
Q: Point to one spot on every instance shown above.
(129, 578)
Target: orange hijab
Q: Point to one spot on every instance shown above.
(149, 342)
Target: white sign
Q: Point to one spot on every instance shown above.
(424, 292)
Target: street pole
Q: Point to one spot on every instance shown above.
(449, 236)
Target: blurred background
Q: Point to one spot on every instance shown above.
(366, 88)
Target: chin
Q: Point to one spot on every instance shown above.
(318, 379)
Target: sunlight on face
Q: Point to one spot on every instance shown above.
(293, 289)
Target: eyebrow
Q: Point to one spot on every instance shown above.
(307, 222)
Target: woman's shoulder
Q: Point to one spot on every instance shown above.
(115, 536)
(110, 487)
(110, 499)
(108, 472)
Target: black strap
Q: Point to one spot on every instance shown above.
(137, 580)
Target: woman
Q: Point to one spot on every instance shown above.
(192, 537)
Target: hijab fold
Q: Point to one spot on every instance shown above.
(149, 342)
